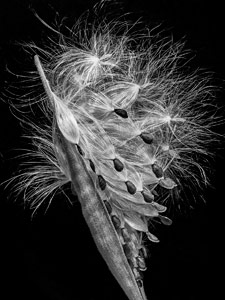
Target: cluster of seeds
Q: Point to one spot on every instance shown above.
(136, 119)
(137, 122)
(126, 133)
(134, 251)
(130, 219)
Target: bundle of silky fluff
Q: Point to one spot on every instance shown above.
(123, 121)
(142, 123)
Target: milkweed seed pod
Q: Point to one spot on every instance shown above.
(121, 120)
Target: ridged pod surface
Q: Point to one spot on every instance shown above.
(123, 122)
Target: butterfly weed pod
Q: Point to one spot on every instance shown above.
(124, 123)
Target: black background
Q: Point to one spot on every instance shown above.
(53, 255)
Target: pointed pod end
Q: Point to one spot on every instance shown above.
(67, 122)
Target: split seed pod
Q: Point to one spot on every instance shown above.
(109, 101)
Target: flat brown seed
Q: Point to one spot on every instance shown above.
(157, 170)
(148, 197)
(80, 150)
(92, 165)
(102, 182)
(147, 137)
(121, 112)
(116, 221)
(130, 187)
(118, 165)
(108, 206)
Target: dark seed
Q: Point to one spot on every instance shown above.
(108, 206)
(125, 235)
(92, 165)
(127, 252)
(158, 171)
(118, 165)
(121, 112)
(140, 283)
(147, 138)
(80, 150)
(116, 221)
(130, 187)
(102, 182)
(148, 197)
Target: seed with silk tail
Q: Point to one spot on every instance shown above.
(80, 150)
(116, 221)
(147, 138)
(102, 182)
(108, 206)
(157, 170)
(121, 112)
(148, 197)
(118, 165)
(130, 187)
(92, 165)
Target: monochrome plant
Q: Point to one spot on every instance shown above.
(126, 125)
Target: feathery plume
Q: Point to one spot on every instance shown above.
(123, 118)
